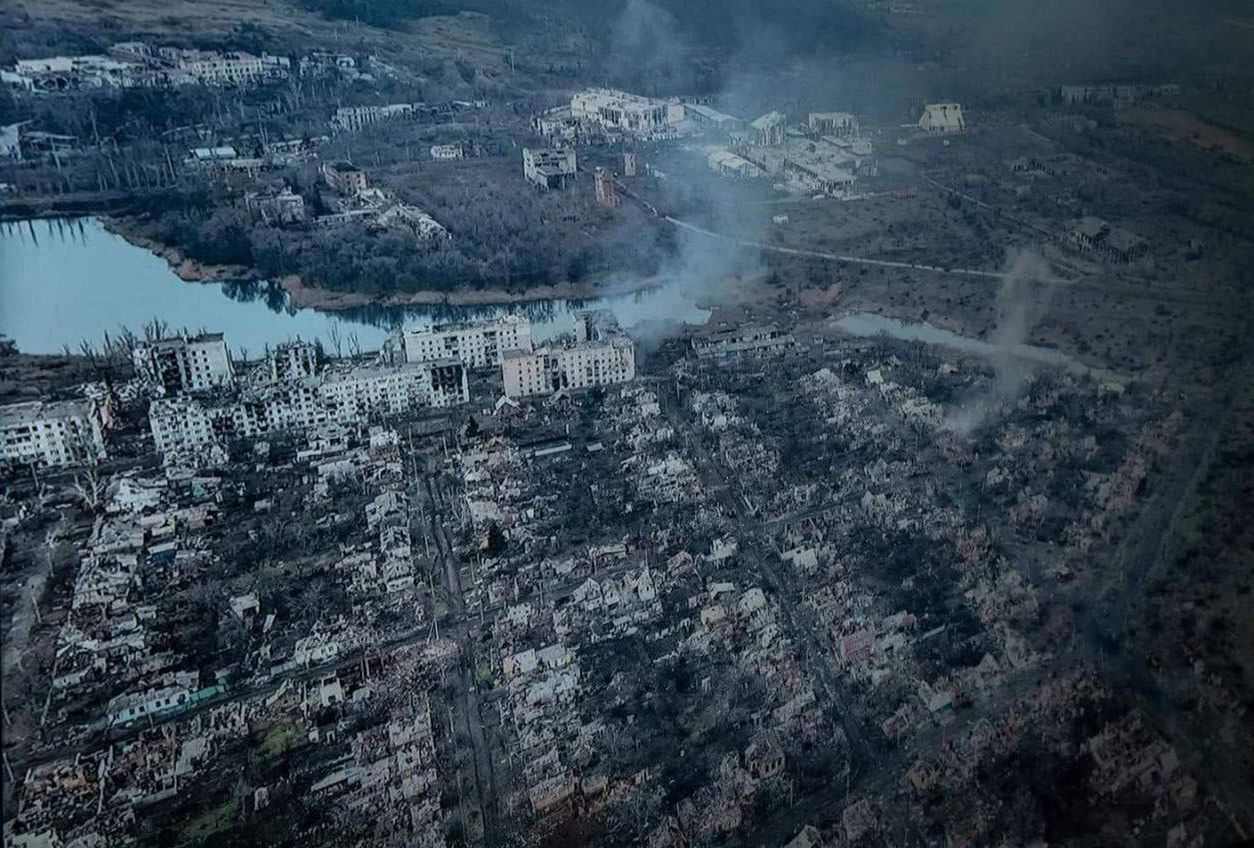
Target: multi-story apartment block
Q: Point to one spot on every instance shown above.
(600, 355)
(345, 178)
(620, 110)
(475, 345)
(51, 434)
(577, 366)
(293, 361)
(355, 118)
(750, 338)
(185, 426)
(549, 168)
(187, 364)
(209, 67)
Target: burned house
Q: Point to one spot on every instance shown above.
(1093, 235)
(750, 338)
(344, 177)
(276, 207)
(550, 167)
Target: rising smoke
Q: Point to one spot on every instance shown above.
(1022, 302)
(645, 48)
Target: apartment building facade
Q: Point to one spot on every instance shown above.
(50, 434)
(186, 364)
(477, 345)
(187, 426)
(578, 366)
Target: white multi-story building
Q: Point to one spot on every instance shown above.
(768, 130)
(345, 177)
(549, 168)
(187, 364)
(476, 345)
(184, 427)
(209, 67)
(293, 361)
(835, 124)
(751, 338)
(50, 434)
(619, 110)
(942, 118)
(578, 366)
(355, 118)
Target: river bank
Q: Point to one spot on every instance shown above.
(184, 267)
(303, 295)
(66, 281)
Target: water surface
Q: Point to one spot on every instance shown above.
(63, 281)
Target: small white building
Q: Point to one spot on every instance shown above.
(835, 124)
(447, 152)
(712, 119)
(728, 164)
(767, 130)
(549, 167)
(942, 119)
(276, 207)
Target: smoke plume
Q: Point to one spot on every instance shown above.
(1022, 302)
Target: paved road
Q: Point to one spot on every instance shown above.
(469, 704)
(839, 257)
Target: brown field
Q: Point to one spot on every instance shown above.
(1181, 125)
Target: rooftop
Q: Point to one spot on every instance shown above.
(42, 410)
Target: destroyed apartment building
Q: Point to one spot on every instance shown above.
(50, 434)
(300, 400)
(476, 345)
(136, 64)
(828, 156)
(373, 208)
(627, 113)
(549, 168)
(357, 118)
(1103, 239)
(749, 338)
(182, 364)
(600, 355)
